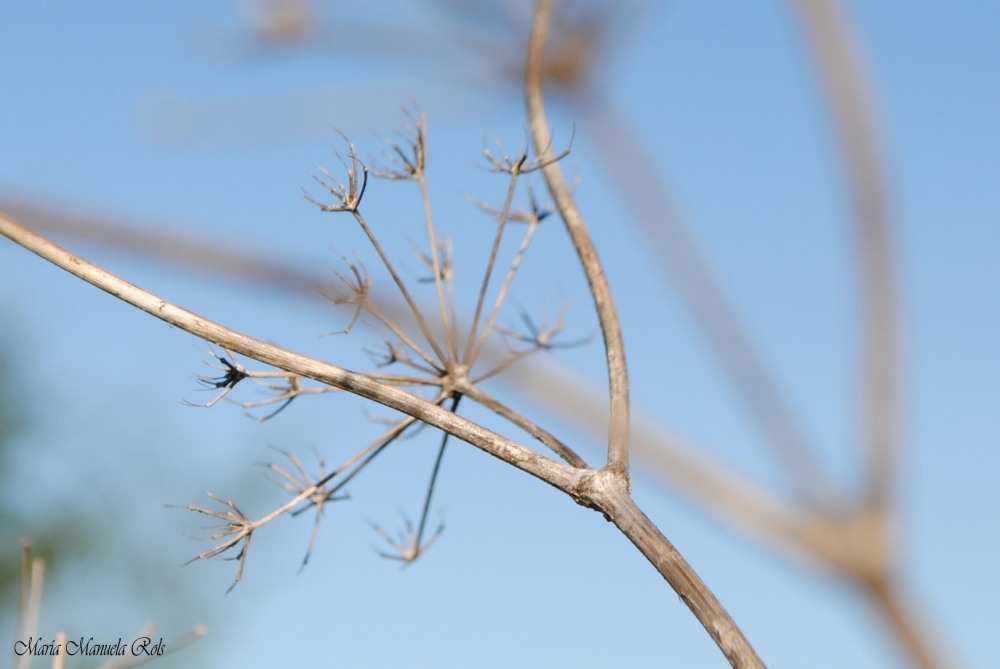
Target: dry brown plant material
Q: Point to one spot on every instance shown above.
(441, 366)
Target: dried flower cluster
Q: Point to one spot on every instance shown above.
(438, 360)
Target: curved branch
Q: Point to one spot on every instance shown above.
(850, 105)
(556, 474)
(643, 190)
(610, 495)
(617, 372)
(605, 489)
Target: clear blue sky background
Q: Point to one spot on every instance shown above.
(725, 97)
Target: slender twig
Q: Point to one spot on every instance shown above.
(393, 354)
(607, 490)
(34, 606)
(376, 447)
(286, 393)
(450, 334)
(532, 227)
(424, 327)
(446, 261)
(468, 357)
(542, 435)
(505, 365)
(901, 616)
(20, 628)
(403, 337)
(599, 288)
(430, 485)
(643, 190)
(554, 473)
(358, 290)
(850, 104)
(59, 661)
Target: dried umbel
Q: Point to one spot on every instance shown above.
(444, 365)
(438, 360)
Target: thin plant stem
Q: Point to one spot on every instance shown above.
(453, 309)
(610, 327)
(468, 358)
(502, 295)
(542, 435)
(449, 327)
(35, 582)
(380, 443)
(421, 321)
(842, 75)
(59, 662)
(642, 189)
(900, 618)
(434, 475)
(503, 366)
(403, 337)
(22, 599)
(372, 454)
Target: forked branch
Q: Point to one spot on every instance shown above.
(605, 490)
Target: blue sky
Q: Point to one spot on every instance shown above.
(723, 94)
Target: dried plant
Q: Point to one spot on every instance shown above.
(439, 364)
(845, 535)
(439, 370)
(836, 530)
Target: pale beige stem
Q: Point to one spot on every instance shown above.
(59, 661)
(450, 334)
(553, 473)
(611, 328)
(468, 358)
(542, 435)
(502, 295)
(371, 308)
(34, 608)
(842, 74)
(421, 321)
(900, 616)
(608, 490)
(644, 192)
